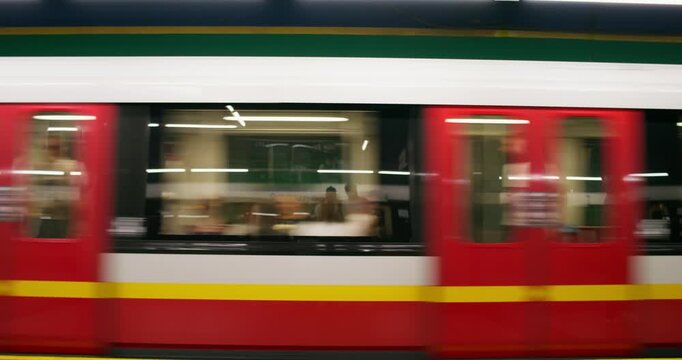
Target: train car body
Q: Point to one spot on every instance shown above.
(175, 186)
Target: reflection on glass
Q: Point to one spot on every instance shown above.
(308, 177)
(498, 171)
(52, 175)
(581, 185)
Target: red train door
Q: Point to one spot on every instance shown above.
(532, 260)
(593, 159)
(56, 177)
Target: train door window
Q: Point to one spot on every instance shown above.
(581, 181)
(498, 170)
(51, 173)
(661, 223)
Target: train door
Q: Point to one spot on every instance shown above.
(53, 227)
(478, 159)
(521, 269)
(591, 162)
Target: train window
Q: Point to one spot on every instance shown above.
(582, 185)
(498, 167)
(661, 223)
(52, 174)
(280, 174)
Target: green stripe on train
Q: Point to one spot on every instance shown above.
(382, 46)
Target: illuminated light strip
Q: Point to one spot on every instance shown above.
(584, 178)
(387, 293)
(153, 125)
(620, 2)
(658, 174)
(62, 128)
(364, 144)
(75, 173)
(168, 170)
(217, 170)
(201, 126)
(488, 121)
(390, 172)
(266, 214)
(325, 171)
(64, 117)
(286, 118)
(38, 172)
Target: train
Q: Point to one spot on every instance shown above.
(332, 179)
(391, 207)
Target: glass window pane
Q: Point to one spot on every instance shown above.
(278, 174)
(498, 171)
(52, 175)
(582, 181)
(661, 222)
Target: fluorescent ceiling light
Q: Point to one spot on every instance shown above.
(153, 125)
(239, 118)
(658, 174)
(287, 118)
(364, 145)
(520, 177)
(215, 170)
(201, 126)
(487, 121)
(38, 172)
(325, 171)
(633, 2)
(62, 128)
(584, 178)
(230, 108)
(167, 170)
(389, 172)
(189, 216)
(75, 173)
(64, 117)
(264, 214)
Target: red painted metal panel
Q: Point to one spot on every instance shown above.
(53, 325)
(40, 324)
(592, 327)
(6, 147)
(661, 322)
(464, 329)
(280, 324)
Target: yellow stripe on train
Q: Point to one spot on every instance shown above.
(370, 293)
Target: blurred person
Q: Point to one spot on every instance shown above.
(329, 209)
(55, 203)
(263, 218)
(515, 179)
(363, 216)
(658, 212)
(355, 203)
(211, 219)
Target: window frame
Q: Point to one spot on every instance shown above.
(154, 242)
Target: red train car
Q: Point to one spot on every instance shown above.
(294, 222)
